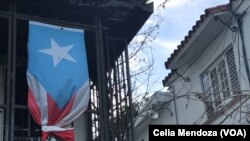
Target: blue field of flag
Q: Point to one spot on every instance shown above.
(57, 59)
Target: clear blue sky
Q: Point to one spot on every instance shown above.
(179, 17)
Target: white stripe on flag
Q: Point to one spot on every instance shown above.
(79, 106)
(40, 95)
(56, 27)
(54, 128)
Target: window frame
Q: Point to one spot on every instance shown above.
(224, 96)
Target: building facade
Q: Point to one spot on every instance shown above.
(209, 79)
(210, 68)
(109, 25)
(154, 111)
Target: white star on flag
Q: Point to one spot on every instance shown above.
(58, 52)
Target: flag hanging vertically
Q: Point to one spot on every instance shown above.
(57, 77)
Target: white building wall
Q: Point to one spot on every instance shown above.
(80, 128)
(237, 114)
(190, 108)
(143, 135)
(246, 32)
(166, 115)
(185, 106)
(190, 105)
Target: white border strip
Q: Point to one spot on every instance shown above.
(54, 128)
(40, 95)
(55, 26)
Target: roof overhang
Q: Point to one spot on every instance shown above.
(121, 18)
(200, 39)
(201, 35)
(155, 103)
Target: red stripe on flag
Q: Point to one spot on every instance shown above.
(67, 135)
(33, 107)
(55, 114)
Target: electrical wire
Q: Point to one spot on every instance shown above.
(209, 43)
(213, 54)
(198, 55)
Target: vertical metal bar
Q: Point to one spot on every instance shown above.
(8, 92)
(13, 72)
(110, 89)
(102, 84)
(99, 79)
(116, 103)
(129, 92)
(119, 116)
(88, 116)
(116, 92)
(120, 97)
(111, 108)
(125, 96)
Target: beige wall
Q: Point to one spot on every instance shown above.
(80, 128)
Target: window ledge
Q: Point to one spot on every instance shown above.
(223, 109)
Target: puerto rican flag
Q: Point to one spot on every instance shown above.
(57, 77)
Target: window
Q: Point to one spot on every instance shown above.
(232, 71)
(220, 81)
(215, 87)
(208, 99)
(224, 79)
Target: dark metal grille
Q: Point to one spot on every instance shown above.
(116, 97)
(109, 113)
